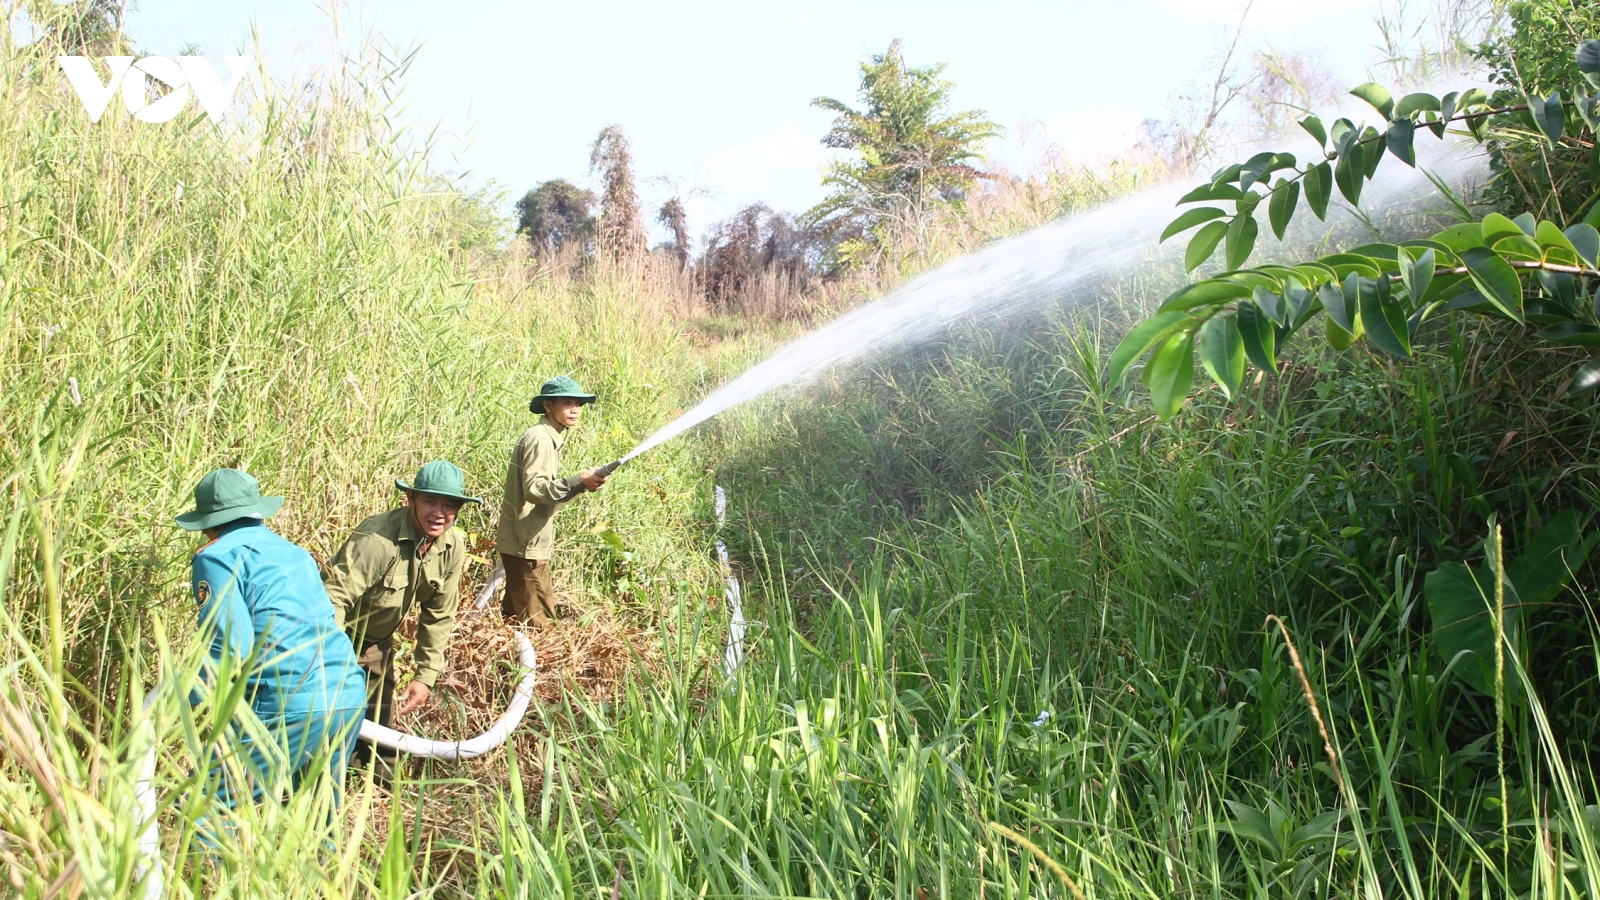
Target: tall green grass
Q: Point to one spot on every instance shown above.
(295, 293)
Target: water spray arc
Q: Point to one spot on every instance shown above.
(1065, 261)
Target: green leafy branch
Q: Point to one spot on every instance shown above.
(1351, 155)
(1534, 273)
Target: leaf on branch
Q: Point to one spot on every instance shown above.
(1202, 244)
(1347, 174)
(1586, 106)
(1211, 292)
(1399, 140)
(1416, 273)
(1222, 353)
(1447, 107)
(1345, 263)
(1385, 256)
(1313, 127)
(1259, 337)
(1211, 192)
(1270, 304)
(1587, 378)
(1169, 374)
(1316, 273)
(1443, 255)
(1495, 279)
(1555, 245)
(1343, 132)
(1462, 237)
(1189, 219)
(1585, 242)
(1549, 115)
(1571, 334)
(1339, 303)
(1446, 286)
(1280, 209)
(1241, 240)
(1495, 226)
(1376, 95)
(1589, 61)
(1382, 318)
(1423, 314)
(1255, 169)
(1469, 300)
(1371, 152)
(1412, 104)
(1518, 247)
(1227, 174)
(1319, 185)
(1338, 338)
(1140, 339)
(1299, 300)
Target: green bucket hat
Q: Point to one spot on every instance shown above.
(440, 479)
(559, 386)
(225, 495)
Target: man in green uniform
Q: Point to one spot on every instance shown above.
(404, 558)
(534, 494)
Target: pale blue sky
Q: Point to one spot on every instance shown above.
(714, 96)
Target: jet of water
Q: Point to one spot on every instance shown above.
(1063, 260)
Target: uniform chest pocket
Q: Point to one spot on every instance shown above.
(391, 590)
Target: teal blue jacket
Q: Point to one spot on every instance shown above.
(260, 594)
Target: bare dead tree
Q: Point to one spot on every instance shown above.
(621, 232)
(676, 219)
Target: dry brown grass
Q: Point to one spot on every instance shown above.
(586, 657)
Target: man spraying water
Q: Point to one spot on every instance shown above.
(534, 494)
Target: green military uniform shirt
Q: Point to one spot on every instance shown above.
(376, 578)
(533, 493)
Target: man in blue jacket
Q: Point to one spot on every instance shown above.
(262, 603)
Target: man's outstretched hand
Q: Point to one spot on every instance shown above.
(415, 694)
(593, 480)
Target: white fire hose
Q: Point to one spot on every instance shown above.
(374, 733)
(734, 651)
(144, 794)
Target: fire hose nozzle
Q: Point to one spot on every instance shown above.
(606, 470)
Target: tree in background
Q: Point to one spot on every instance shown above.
(755, 243)
(92, 27)
(621, 232)
(555, 215)
(912, 154)
(676, 220)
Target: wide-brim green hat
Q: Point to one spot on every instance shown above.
(558, 387)
(225, 495)
(440, 479)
